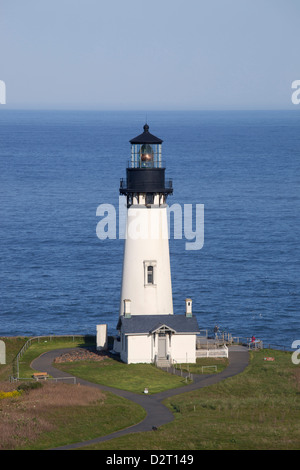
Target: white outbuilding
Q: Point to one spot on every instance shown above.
(159, 339)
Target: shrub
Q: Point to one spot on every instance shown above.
(27, 386)
(12, 394)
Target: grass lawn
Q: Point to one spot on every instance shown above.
(13, 346)
(37, 347)
(69, 424)
(257, 409)
(110, 372)
(205, 365)
(47, 344)
(131, 377)
(56, 414)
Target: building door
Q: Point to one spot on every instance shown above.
(162, 345)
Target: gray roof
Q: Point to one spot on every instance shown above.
(141, 324)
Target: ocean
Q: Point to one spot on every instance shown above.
(57, 167)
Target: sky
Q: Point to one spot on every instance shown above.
(149, 54)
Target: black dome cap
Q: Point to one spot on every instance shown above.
(146, 138)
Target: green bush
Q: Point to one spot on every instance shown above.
(27, 386)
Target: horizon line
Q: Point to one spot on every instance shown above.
(294, 108)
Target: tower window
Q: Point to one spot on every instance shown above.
(150, 275)
(149, 198)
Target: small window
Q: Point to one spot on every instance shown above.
(150, 279)
(149, 198)
(150, 273)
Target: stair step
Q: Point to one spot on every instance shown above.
(163, 363)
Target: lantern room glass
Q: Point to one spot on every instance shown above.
(146, 156)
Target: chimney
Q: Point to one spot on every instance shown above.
(188, 307)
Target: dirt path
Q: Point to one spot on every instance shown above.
(157, 413)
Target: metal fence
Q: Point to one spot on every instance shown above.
(13, 379)
(16, 361)
(228, 338)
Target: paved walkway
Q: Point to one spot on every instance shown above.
(157, 413)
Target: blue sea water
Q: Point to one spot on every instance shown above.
(57, 167)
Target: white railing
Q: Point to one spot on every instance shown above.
(218, 352)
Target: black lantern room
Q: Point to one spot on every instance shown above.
(145, 172)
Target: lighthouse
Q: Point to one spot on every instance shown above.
(149, 331)
(146, 278)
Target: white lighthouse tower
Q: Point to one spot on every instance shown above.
(146, 279)
(149, 331)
